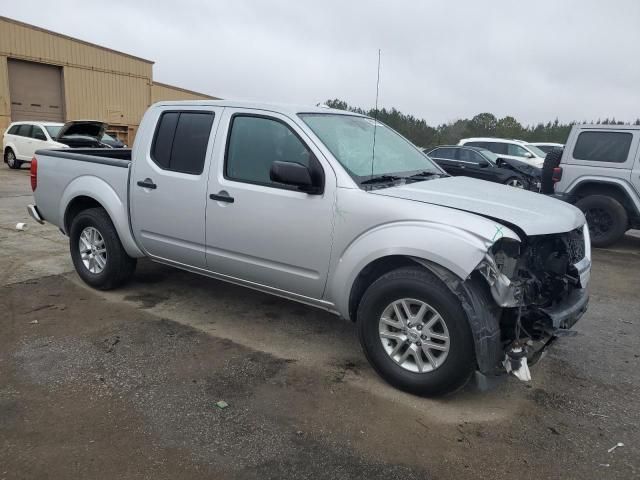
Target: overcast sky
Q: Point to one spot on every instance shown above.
(441, 60)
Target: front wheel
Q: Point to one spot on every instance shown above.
(97, 252)
(415, 333)
(11, 159)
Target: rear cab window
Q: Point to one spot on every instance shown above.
(180, 141)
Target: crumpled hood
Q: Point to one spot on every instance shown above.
(85, 128)
(534, 213)
(522, 167)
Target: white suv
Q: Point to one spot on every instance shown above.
(22, 139)
(513, 149)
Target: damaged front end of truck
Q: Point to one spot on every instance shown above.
(540, 284)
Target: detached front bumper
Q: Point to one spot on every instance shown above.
(565, 314)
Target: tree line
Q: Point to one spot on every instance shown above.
(482, 125)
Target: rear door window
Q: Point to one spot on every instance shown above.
(609, 147)
(24, 130)
(446, 153)
(495, 147)
(180, 142)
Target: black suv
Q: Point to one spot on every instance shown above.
(485, 165)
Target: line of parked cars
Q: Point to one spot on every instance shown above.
(481, 163)
(507, 161)
(22, 139)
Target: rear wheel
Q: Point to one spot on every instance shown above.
(97, 252)
(606, 217)
(10, 158)
(415, 333)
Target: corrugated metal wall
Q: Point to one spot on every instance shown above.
(99, 83)
(27, 42)
(115, 99)
(5, 102)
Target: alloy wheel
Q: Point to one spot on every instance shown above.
(11, 159)
(93, 250)
(599, 221)
(414, 335)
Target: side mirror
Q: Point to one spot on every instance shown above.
(40, 136)
(292, 173)
(483, 164)
(528, 155)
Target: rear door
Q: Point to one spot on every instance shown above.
(446, 158)
(169, 183)
(23, 142)
(260, 231)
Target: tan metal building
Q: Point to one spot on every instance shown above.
(48, 76)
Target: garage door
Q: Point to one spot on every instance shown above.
(36, 91)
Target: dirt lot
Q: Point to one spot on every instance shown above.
(124, 384)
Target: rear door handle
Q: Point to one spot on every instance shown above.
(222, 197)
(147, 183)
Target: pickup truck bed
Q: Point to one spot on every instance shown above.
(85, 174)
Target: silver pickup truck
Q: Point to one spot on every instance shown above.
(443, 275)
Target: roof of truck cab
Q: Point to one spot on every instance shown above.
(272, 107)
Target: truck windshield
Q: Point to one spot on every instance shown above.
(350, 140)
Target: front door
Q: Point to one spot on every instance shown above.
(169, 183)
(260, 231)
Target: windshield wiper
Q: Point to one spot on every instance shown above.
(426, 174)
(381, 179)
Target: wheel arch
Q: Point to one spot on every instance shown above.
(482, 313)
(617, 189)
(455, 249)
(92, 192)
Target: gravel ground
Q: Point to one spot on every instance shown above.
(124, 384)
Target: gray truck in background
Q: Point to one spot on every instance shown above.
(443, 275)
(599, 171)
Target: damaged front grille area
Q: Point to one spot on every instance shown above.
(538, 273)
(539, 287)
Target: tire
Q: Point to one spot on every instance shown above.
(117, 267)
(11, 160)
(516, 182)
(551, 161)
(420, 285)
(606, 217)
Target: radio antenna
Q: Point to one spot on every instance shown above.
(375, 117)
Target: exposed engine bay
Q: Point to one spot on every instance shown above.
(541, 286)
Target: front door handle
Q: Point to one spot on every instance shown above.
(147, 183)
(222, 197)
